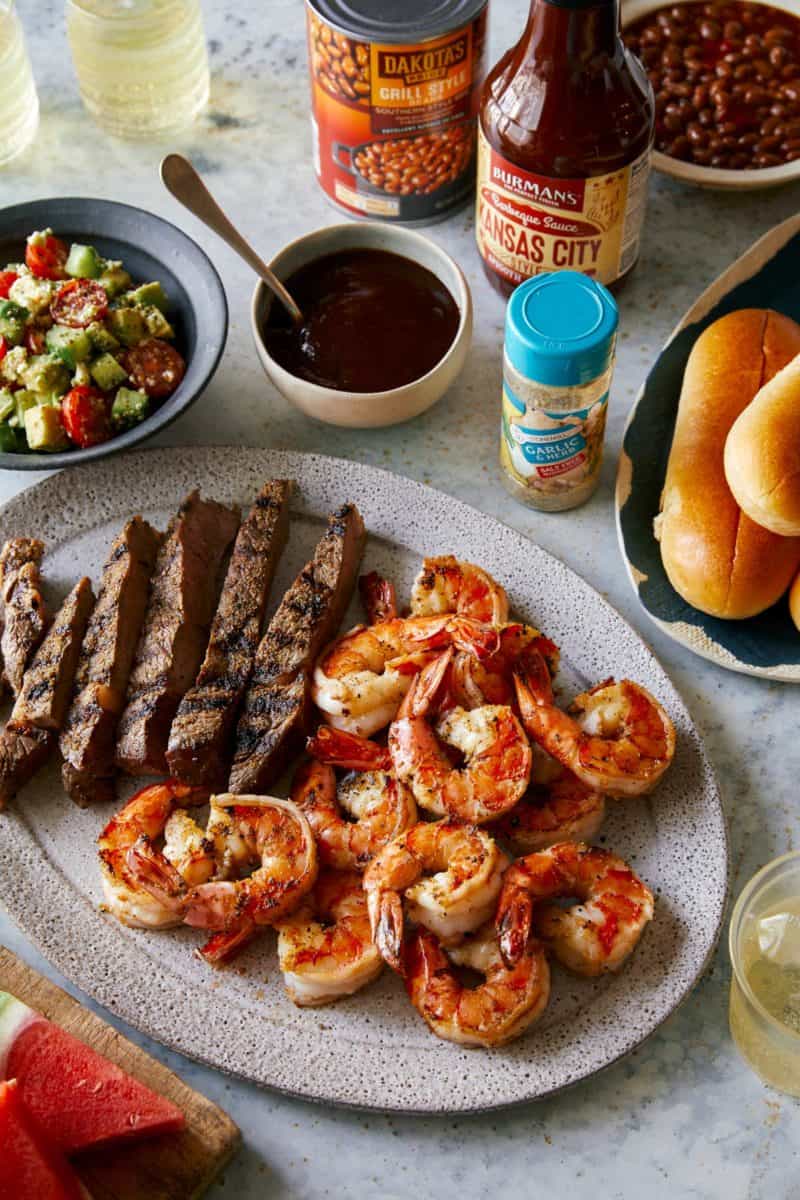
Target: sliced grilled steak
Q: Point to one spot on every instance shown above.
(182, 600)
(200, 741)
(87, 739)
(42, 703)
(25, 616)
(21, 756)
(278, 702)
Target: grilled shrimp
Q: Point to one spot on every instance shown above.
(489, 680)
(360, 680)
(378, 805)
(325, 948)
(496, 753)
(249, 832)
(145, 886)
(564, 810)
(590, 938)
(446, 585)
(379, 598)
(491, 1014)
(616, 737)
(446, 876)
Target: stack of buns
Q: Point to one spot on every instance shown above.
(729, 525)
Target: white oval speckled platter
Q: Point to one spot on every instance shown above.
(371, 1051)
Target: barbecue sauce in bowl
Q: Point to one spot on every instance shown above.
(373, 321)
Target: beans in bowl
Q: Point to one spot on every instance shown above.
(726, 77)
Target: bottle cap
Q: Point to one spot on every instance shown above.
(561, 328)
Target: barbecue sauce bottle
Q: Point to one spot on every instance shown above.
(564, 141)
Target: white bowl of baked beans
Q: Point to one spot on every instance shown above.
(726, 78)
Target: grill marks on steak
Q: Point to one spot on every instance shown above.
(25, 617)
(200, 738)
(41, 705)
(182, 601)
(277, 704)
(87, 739)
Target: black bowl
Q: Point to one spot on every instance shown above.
(150, 248)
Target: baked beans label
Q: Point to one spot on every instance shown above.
(394, 129)
(527, 224)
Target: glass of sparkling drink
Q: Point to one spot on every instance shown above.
(764, 941)
(142, 65)
(19, 104)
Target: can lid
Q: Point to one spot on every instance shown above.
(399, 21)
(561, 328)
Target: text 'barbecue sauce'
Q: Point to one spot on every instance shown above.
(565, 137)
(372, 321)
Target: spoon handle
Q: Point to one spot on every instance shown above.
(182, 180)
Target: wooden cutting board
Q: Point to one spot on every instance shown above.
(175, 1167)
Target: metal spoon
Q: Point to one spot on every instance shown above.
(182, 180)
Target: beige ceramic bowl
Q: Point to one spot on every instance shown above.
(716, 178)
(364, 410)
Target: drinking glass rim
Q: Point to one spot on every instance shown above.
(79, 7)
(743, 899)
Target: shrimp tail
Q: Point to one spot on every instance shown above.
(388, 933)
(532, 681)
(155, 875)
(337, 748)
(514, 920)
(222, 947)
(421, 695)
(475, 637)
(378, 596)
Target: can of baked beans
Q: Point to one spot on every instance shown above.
(395, 86)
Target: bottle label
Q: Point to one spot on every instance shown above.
(551, 451)
(527, 224)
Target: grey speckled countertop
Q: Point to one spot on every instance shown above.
(683, 1117)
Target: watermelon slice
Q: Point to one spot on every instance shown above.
(78, 1097)
(30, 1166)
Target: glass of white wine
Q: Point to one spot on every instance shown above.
(764, 941)
(142, 65)
(19, 104)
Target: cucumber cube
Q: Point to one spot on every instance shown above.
(6, 404)
(70, 345)
(129, 407)
(83, 262)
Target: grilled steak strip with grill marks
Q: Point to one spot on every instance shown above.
(41, 706)
(25, 616)
(200, 741)
(87, 739)
(277, 704)
(183, 597)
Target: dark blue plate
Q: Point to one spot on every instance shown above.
(767, 276)
(150, 248)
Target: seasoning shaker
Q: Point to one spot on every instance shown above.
(560, 339)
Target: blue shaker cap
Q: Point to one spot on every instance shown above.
(561, 328)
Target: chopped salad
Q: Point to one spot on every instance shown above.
(84, 352)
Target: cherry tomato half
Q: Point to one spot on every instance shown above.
(3, 348)
(6, 280)
(79, 303)
(34, 341)
(85, 415)
(155, 367)
(46, 259)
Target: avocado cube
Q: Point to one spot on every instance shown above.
(102, 339)
(12, 322)
(128, 324)
(32, 293)
(44, 429)
(83, 262)
(114, 279)
(107, 372)
(148, 294)
(10, 440)
(6, 403)
(23, 400)
(46, 373)
(157, 324)
(70, 345)
(129, 407)
(14, 363)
